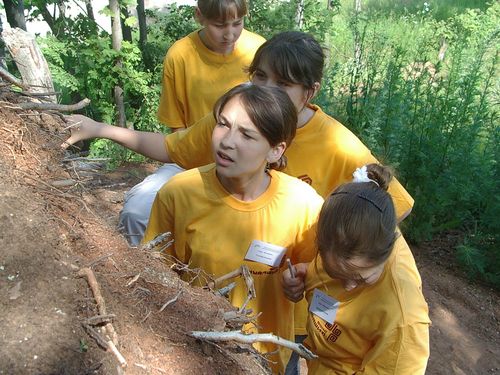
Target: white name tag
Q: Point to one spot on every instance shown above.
(324, 306)
(266, 253)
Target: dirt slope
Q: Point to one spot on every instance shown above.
(48, 233)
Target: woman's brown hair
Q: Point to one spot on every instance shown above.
(220, 10)
(358, 219)
(271, 111)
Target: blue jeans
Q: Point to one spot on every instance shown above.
(293, 368)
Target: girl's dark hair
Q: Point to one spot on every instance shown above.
(271, 111)
(358, 219)
(293, 56)
(221, 9)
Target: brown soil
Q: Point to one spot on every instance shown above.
(47, 233)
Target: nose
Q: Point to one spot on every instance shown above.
(227, 141)
(229, 33)
(350, 285)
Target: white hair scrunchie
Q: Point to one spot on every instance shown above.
(361, 175)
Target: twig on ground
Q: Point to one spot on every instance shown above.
(101, 305)
(158, 240)
(12, 79)
(169, 302)
(223, 292)
(241, 337)
(98, 260)
(134, 279)
(54, 106)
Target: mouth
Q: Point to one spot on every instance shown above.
(223, 159)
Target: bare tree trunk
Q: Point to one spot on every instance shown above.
(90, 10)
(117, 37)
(14, 9)
(3, 65)
(299, 14)
(126, 30)
(141, 16)
(29, 60)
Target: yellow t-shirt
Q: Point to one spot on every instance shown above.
(324, 153)
(212, 230)
(194, 77)
(378, 329)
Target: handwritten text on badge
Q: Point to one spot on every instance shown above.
(324, 306)
(266, 253)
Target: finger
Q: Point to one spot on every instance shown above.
(68, 142)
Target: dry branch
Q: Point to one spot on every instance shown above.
(12, 79)
(102, 317)
(169, 302)
(241, 337)
(54, 106)
(101, 305)
(157, 240)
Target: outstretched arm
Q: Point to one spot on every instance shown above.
(151, 145)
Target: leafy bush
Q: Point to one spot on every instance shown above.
(422, 94)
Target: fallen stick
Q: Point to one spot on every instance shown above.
(157, 240)
(169, 302)
(241, 337)
(54, 106)
(101, 306)
(12, 79)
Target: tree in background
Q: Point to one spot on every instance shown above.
(14, 9)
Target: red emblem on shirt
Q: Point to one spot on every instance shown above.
(306, 179)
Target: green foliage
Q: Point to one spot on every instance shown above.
(435, 119)
(164, 29)
(268, 17)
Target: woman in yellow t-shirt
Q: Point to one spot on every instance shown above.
(367, 313)
(203, 65)
(197, 70)
(241, 210)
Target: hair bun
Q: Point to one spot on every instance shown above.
(381, 174)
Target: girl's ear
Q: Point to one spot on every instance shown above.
(198, 16)
(313, 91)
(276, 152)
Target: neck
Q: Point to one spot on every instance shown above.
(304, 116)
(246, 189)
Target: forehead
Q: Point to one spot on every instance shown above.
(347, 267)
(226, 15)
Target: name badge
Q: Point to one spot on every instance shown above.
(265, 253)
(324, 306)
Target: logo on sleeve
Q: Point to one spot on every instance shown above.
(308, 180)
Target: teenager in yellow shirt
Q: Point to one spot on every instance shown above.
(324, 153)
(241, 210)
(197, 70)
(203, 65)
(367, 313)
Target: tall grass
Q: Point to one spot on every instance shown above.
(438, 9)
(433, 116)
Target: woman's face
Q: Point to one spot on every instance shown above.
(221, 36)
(240, 150)
(264, 76)
(352, 273)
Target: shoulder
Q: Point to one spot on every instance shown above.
(249, 40)
(186, 180)
(183, 46)
(334, 136)
(407, 284)
(296, 189)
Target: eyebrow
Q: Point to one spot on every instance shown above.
(240, 126)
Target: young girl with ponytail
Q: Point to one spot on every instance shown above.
(367, 313)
